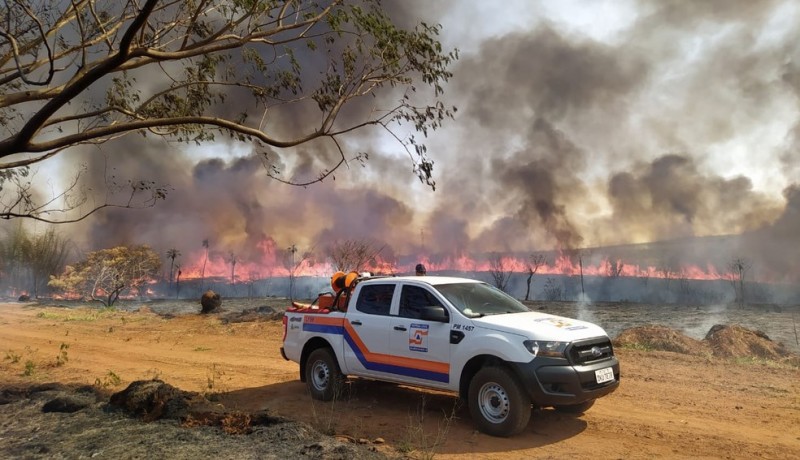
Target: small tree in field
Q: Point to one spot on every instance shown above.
(106, 274)
(205, 261)
(356, 254)
(233, 259)
(291, 261)
(499, 272)
(615, 268)
(172, 254)
(534, 263)
(553, 290)
(737, 269)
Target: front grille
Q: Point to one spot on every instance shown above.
(590, 351)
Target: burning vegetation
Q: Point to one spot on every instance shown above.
(106, 274)
(634, 206)
(138, 271)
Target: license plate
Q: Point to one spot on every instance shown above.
(604, 375)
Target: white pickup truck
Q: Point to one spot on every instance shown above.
(452, 334)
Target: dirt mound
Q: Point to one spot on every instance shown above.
(153, 400)
(660, 338)
(736, 341)
(722, 341)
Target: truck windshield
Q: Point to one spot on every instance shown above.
(479, 299)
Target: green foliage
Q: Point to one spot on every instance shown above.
(111, 379)
(214, 382)
(62, 356)
(27, 260)
(83, 315)
(30, 368)
(421, 439)
(14, 174)
(106, 274)
(12, 356)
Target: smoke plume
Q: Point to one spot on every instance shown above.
(680, 123)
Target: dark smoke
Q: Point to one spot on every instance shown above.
(561, 141)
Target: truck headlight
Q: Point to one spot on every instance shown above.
(546, 348)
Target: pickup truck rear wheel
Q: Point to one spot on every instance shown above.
(497, 402)
(323, 377)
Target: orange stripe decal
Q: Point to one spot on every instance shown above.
(378, 358)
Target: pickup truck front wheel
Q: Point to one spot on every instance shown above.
(323, 377)
(497, 402)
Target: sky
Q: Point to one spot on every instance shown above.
(579, 125)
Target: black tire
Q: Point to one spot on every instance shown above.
(323, 377)
(575, 408)
(498, 403)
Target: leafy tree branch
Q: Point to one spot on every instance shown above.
(86, 71)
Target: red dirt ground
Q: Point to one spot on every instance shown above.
(669, 405)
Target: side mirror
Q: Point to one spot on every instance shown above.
(434, 313)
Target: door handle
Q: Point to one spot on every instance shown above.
(400, 328)
(355, 322)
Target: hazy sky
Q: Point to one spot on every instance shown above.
(579, 124)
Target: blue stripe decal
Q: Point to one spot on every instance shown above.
(392, 369)
(378, 367)
(325, 329)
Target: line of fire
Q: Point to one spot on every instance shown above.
(686, 271)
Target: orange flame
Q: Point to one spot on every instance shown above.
(267, 264)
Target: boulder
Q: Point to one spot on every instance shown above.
(24, 298)
(210, 301)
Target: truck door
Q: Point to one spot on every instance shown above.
(423, 346)
(367, 330)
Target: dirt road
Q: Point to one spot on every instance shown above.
(668, 405)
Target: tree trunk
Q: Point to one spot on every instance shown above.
(528, 290)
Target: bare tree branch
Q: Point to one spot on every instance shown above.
(500, 272)
(354, 254)
(195, 55)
